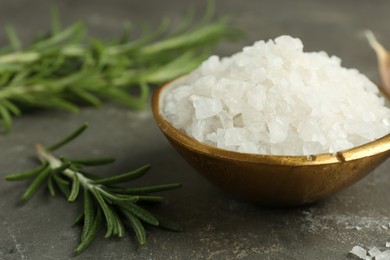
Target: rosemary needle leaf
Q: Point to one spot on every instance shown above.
(118, 198)
(91, 234)
(147, 190)
(55, 20)
(121, 228)
(106, 210)
(58, 178)
(11, 107)
(87, 97)
(122, 97)
(115, 231)
(6, 118)
(36, 183)
(124, 177)
(62, 185)
(89, 213)
(144, 89)
(13, 38)
(136, 225)
(75, 189)
(169, 225)
(50, 186)
(79, 219)
(55, 39)
(150, 198)
(69, 138)
(27, 174)
(94, 161)
(141, 213)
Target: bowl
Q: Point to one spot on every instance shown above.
(272, 180)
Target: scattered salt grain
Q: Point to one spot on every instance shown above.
(387, 244)
(273, 98)
(354, 227)
(374, 251)
(359, 252)
(385, 255)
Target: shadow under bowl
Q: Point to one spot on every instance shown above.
(272, 180)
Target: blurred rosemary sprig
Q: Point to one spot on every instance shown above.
(67, 66)
(103, 200)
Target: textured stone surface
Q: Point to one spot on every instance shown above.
(217, 226)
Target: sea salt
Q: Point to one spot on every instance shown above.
(374, 251)
(274, 98)
(383, 255)
(359, 252)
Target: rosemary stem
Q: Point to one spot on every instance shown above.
(54, 162)
(20, 90)
(19, 57)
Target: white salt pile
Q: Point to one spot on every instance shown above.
(273, 98)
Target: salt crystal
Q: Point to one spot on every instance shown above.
(205, 107)
(358, 252)
(385, 227)
(374, 251)
(235, 136)
(284, 100)
(354, 227)
(383, 255)
(247, 147)
(387, 244)
(278, 128)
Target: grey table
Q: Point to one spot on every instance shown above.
(217, 225)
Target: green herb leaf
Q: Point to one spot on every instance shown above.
(124, 177)
(91, 234)
(106, 210)
(169, 225)
(141, 213)
(79, 219)
(50, 186)
(13, 38)
(69, 138)
(62, 185)
(93, 162)
(27, 174)
(147, 190)
(89, 212)
(37, 182)
(75, 189)
(136, 226)
(6, 118)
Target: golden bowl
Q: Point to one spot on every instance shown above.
(269, 179)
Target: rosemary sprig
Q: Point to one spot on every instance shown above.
(103, 200)
(67, 66)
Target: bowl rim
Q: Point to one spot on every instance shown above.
(375, 147)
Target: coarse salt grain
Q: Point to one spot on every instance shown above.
(273, 98)
(359, 252)
(383, 255)
(374, 251)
